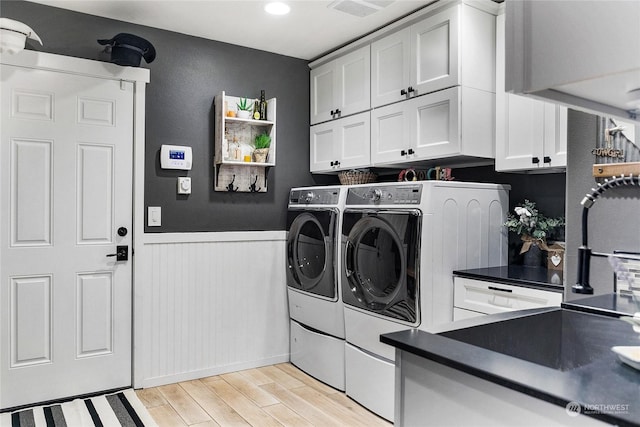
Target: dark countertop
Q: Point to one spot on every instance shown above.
(604, 380)
(610, 305)
(518, 275)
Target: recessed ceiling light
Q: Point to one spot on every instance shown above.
(277, 8)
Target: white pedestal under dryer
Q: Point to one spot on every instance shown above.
(313, 273)
(400, 245)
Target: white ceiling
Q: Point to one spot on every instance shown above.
(309, 31)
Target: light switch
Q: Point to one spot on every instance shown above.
(184, 185)
(154, 216)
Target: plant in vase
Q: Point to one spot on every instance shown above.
(245, 108)
(262, 142)
(533, 228)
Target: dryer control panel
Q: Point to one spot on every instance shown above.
(406, 194)
(314, 196)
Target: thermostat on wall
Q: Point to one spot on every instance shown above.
(175, 157)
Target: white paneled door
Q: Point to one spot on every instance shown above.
(66, 206)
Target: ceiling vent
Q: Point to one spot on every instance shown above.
(359, 8)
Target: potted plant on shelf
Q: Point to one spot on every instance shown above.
(262, 142)
(245, 108)
(533, 228)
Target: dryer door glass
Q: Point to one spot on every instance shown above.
(381, 251)
(310, 253)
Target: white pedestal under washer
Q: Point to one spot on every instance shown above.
(400, 243)
(313, 274)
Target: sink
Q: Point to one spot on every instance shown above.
(559, 339)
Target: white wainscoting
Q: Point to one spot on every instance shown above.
(208, 303)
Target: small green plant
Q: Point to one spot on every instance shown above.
(245, 105)
(262, 141)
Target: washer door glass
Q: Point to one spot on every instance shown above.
(380, 264)
(310, 253)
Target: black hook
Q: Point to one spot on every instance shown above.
(230, 186)
(252, 187)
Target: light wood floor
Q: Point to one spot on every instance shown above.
(277, 395)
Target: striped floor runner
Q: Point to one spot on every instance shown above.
(119, 409)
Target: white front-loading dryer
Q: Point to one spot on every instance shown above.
(400, 244)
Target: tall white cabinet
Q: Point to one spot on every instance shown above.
(531, 135)
(431, 93)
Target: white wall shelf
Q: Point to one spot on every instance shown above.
(234, 162)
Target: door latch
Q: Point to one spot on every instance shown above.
(122, 253)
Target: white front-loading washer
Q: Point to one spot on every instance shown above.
(316, 313)
(400, 244)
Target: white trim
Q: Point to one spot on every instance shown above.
(138, 258)
(218, 370)
(213, 237)
(71, 65)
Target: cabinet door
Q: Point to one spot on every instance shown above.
(555, 135)
(519, 133)
(528, 131)
(353, 81)
(323, 98)
(434, 124)
(390, 64)
(390, 133)
(322, 150)
(434, 52)
(353, 141)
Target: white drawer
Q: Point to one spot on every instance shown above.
(489, 298)
(461, 313)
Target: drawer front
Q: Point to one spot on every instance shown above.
(461, 314)
(489, 298)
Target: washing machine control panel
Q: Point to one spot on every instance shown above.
(409, 194)
(315, 196)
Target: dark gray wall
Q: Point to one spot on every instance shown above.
(186, 75)
(613, 219)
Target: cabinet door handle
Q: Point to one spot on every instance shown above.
(337, 111)
(337, 163)
(410, 151)
(403, 153)
(546, 159)
(535, 160)
(403, 92)
(493, 288)
(411, 89)
(332, 163)
(332, 112)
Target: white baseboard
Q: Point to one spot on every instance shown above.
(217, 370)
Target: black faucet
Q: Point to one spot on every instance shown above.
(582, 285)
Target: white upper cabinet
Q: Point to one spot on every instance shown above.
(454, 46)
(390, 68)
(341, 87)
(450, 123)
(531, 135)
(341, 144)
(584, 54)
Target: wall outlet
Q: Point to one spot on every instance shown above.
(184, 185)
(154, 216)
